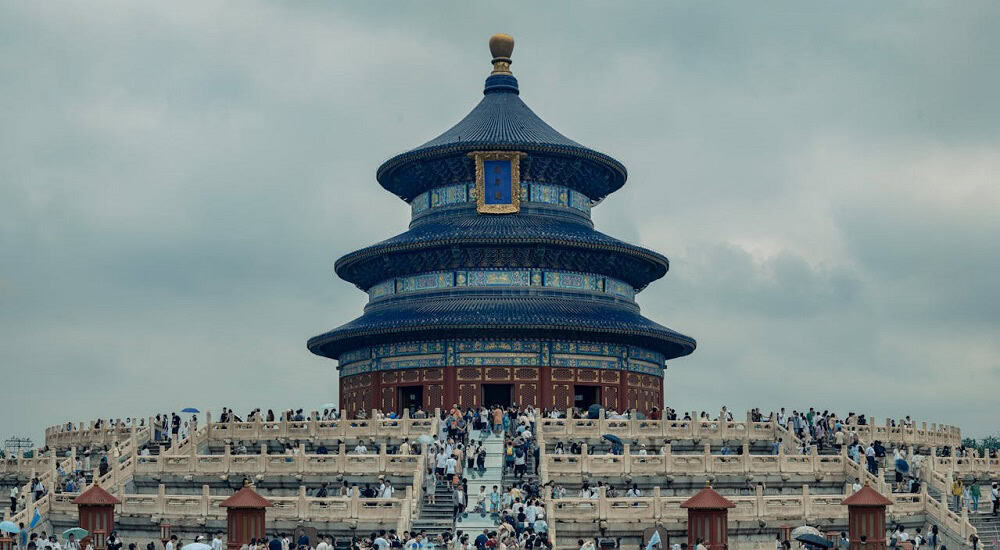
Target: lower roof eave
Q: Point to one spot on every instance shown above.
(332, 344)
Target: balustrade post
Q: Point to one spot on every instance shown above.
(657, 504)
(383, 459)
(226, 458)
(355, 506)
(301, 504)
(627, 458)
(603, 506)
(746, 457)
(695, 423)
(301, 458)
(205, 501)
(806, 503)
(709, 462)
(667, 462)
(161, 499)
(569, 421)
(781, 458)
(284, 425)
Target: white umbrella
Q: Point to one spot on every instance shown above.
(196, 546)
(328, 406)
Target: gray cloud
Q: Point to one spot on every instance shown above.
(176, 182)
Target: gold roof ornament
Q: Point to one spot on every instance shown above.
(501, 46)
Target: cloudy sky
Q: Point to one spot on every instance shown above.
(177, 181)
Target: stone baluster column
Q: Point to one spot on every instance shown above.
(627, 459)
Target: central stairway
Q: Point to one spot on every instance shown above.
(437, 518)
(473, 522)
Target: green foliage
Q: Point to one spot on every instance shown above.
(990, 443)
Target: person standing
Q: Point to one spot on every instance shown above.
(995, 494)
(975, 493)
(956, 493)
(13, 499)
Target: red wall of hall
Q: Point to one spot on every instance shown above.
(446, 386)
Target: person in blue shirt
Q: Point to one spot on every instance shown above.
(274, 543)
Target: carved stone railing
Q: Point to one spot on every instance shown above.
(390, 512)
(59, 437)
(339, 462)
(747, 431)
(654, 509)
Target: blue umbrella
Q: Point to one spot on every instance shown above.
(902, 466)
(614, 439)
(814, 541)
(191, 410)
(78, 532)
(9, 527)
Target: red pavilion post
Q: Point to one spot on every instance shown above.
(245, 517)
(708, 519)
(97, 513)
(866, 517)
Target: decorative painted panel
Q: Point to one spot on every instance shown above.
(409, 348)
(497, 359)
(588, 363)
(619, 288)
(579, 201)
(540, 193)
(531, 346)
(563, 279)
(452, 194)
(355, 355)
(434, 374)
(494, 278)
(561, 396)
(426, 281)
(420, 203)
(468, 374)
(549, 194)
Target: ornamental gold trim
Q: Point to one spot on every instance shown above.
(515, 181)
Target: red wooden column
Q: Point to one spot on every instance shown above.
(245, 517)
(866, 517)
(708, 519)
(97, 513)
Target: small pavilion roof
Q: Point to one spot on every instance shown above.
(866, 496)
(708, 499)
(96, 496)
(246, 498)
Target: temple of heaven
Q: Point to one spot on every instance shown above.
(501, 291)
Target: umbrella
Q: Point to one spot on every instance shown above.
(191, 410)
(9, 527)
(805, 530)
(79, 532)
(614, 439)
(902, 466)
(814, 540)
(328, 406)
(594, 411)
(196, 546)
(425, 439)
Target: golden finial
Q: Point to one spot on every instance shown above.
(501, 46)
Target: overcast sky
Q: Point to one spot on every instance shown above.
(176, 182)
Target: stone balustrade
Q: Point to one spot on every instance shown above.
(804, 508)
(278, 464)
(668, 463)
(933, 435)
(659, 509)
(390, 512)
(59, 437)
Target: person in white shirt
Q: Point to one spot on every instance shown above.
(172, 543)
(217, 541)
(323, 544)
(449, 466)
(387, 490)
(380, 541)
(360, 448)
(634, 491)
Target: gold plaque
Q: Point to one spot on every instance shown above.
(498, 181)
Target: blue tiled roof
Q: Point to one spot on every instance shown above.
(637, 265)
(466, 316)
(502, 121)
